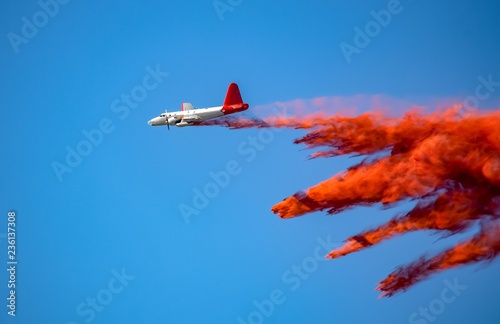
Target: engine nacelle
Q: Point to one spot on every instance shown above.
(171, 121)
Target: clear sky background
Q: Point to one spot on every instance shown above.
(106, 242)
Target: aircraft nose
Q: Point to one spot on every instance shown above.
(150, 122)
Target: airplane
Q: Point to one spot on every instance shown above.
(189, 115)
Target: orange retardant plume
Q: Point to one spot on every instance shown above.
(448, 163)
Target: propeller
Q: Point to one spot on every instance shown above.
(166, 119)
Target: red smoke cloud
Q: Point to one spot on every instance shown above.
(448, 163)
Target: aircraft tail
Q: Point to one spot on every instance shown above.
(233, 102)
(233, 96)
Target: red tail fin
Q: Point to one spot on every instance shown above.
(233, 96)
(233, 102)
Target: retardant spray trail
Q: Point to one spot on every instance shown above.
(448, 163)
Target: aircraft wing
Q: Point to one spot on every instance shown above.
(191, 119)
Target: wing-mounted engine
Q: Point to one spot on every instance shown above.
(172, 120)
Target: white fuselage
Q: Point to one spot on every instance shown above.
(187, 117)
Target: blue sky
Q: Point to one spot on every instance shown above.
(108, 230)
